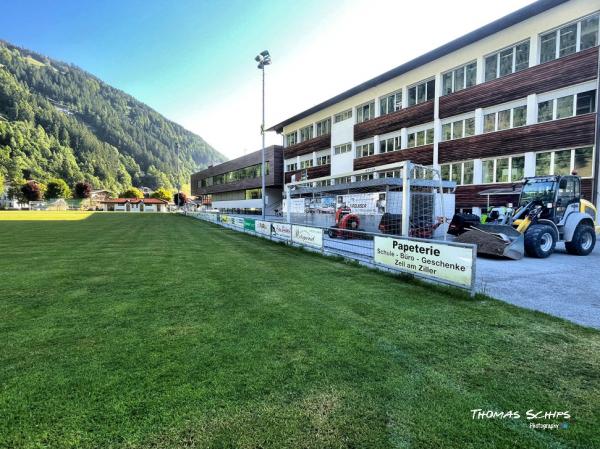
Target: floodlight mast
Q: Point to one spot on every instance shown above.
(263, 59)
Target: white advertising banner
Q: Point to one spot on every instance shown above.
(436, 260)
(262, 227)
(237, 222)
(307, 236)
(363, 203)
(281, 230)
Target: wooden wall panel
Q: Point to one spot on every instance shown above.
(572, 69)
(411, 116)
(556, 134)
(419, 155)
(311, 173)
(308, 146)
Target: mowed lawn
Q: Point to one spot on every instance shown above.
(161, 331)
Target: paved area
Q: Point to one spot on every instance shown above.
(562, 285)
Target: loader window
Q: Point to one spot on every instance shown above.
(537, 190)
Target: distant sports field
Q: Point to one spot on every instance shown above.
(160, 331)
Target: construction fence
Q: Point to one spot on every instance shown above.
(439, 261)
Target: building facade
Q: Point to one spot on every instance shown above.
(236, 185)
(515, 98)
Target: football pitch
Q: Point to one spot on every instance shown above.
(160, 331)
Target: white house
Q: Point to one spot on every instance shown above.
(135, 205)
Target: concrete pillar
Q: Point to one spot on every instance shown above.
(533, 50)
(405, 97)
(376, 144)
(437, 138)
(404, 138)
(478, 121)
(529, 164)
(480, 70)
(477, 171)
(532, 109)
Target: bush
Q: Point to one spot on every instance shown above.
(57, 188)
(162, 194)
(83, 190)
(33, 191)
(180, 199)
(132, 192)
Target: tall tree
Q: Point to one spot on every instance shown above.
(57, 188)
(33, 191)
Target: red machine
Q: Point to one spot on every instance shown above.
(345, 223)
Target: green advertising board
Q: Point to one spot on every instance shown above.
(249, 224)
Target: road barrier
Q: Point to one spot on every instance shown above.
(439, 261)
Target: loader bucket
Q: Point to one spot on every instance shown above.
(495, 240)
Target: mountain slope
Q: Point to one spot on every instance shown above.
(57, 120)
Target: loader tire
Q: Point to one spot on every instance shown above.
(583, 242)
(540, 241)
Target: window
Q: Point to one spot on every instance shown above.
(306, 133)
(253, 171)
(306, 164)
(291, 167)
(341, 116)
(323, 127)
(391, 174)
(365, 150)
(343, 180)
(586, 102)
(324, 160)
(418, 138)
(391, 144)
(460, 78)
(569, 39)
(459, 172)
(458, 129)
(365, 177)
(253, 194)
(291, 139)
(505, 169)
(341, 149)
(506, 119)
(564, 162)
(390, 103)
(567, 106)
(421, 92)
(365, 112)
(507, 61)
(323, 183)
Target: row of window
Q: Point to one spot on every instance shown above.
(308, 163)
(563, 41)
(253, 171)
(567, 106)
(512, 168)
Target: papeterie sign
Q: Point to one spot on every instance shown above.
(307, 236)
(262, 227)
(449, 263)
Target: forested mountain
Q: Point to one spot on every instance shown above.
(57, 120)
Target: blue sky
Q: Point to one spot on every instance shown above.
(192, 60)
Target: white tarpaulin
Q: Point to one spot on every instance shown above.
(307, 236)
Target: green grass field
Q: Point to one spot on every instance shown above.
(160, 331)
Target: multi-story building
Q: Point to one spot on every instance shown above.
(515, 98)
(235, 186)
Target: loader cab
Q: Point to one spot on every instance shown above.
(569, 193)
(560, 192)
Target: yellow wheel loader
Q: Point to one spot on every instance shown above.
(550, 210)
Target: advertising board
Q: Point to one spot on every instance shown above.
(225, 218)
(281, 230)
(307, 236)
(450, 263)
(363, 203)
(238, 222)
(262, 227)
(249, 224)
